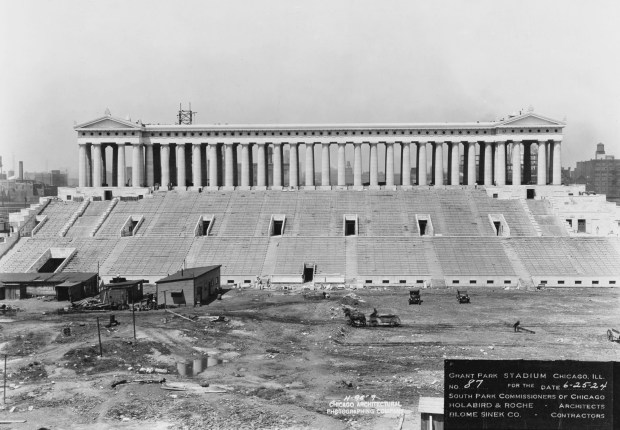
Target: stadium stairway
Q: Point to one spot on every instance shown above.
(103, 217)
(434, 265)
(269, 265)
(524, 276)
(530, 215)
(87, 220)
(550, 224)
(351, 269)
(78, 213)
(477, 216)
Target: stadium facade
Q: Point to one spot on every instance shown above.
(207, 155)
(485, 206)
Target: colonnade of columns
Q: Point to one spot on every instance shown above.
(152, 163)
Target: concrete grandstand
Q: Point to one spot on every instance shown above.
(451, 236)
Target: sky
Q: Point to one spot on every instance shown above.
(313, 61)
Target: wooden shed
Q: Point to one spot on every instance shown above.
(122, 292)
(194, 285)
(63, 286)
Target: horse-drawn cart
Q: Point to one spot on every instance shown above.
(613, 335)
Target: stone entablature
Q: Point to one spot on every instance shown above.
(206, 155)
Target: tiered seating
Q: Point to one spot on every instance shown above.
(149, 255)
(594, 257)
(391, 256)
(550, 225)
(512, 210)
(328, 254)
(112, 225)
(315, 213)
(423, 201)
(350, 203)
(568, 256)
(237, 256)
(91, 253)
(472, 256)
(58, 213)
(385, 216)
(24, 253)
(387, 242)
(544, 256)
(539, 207)
(87, 222)
(243, 214)
(457, 214)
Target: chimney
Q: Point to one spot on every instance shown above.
(21, 171)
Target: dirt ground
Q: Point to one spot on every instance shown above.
(280, 359)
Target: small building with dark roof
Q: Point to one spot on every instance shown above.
(121, 292)
(194, 285)
(64, 286)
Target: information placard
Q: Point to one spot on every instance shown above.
(533, 395)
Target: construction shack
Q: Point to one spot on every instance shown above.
(194, 285)
(122, 292)
(62, 286)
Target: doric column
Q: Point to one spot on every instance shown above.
(422, 180)
(261, 168)
(405, 174)
(164, 155)
(104, 169)
(500, 177)
(229, 170)
(136, 160)
(481, 156)
(219, 159)
(550, 162)
(277, 164)
(213, 165)
(245, 164)
(325, 180)
(527, 162)
(541, 173)
(438, 163)
(488, 163)
(357, 164)
(557, 162)
(454, 164)
(121, 181)
(341, 164)
(494, 163)
(196, 165)
(293, 177)
(82, 165)
(516, 163)
(181, 178)
(235, 165)
(115, 165)
(149, 167)
(389, 164)
(471, 163)
(309, 164)
(374, 165)
(251, 164)
(96, 157)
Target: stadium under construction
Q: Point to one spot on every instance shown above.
(470, 204)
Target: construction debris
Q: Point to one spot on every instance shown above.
(179, 315)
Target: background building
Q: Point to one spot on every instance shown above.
(600, 175)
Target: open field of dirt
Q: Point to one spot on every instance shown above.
(280, 359)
